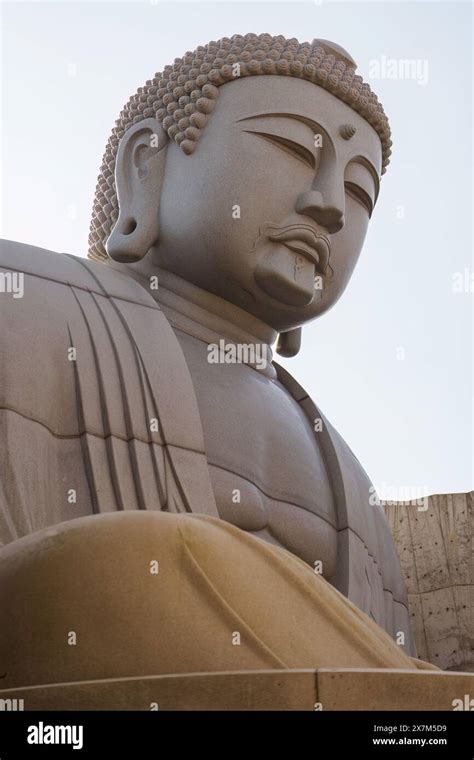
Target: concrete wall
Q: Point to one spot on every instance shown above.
(435, 547)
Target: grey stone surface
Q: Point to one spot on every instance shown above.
(436, 551)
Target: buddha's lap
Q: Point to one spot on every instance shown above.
(132, 593)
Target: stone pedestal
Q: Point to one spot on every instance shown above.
(326, 689)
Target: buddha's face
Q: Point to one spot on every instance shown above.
(271, 210)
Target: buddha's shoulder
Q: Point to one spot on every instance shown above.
(28, 269)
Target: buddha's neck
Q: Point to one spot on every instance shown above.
(208, 317)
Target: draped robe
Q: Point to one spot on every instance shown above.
(98, 414)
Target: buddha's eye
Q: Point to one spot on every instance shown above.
(361, 183)
(289, 146)
(360, 195)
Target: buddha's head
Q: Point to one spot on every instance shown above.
(250, 168)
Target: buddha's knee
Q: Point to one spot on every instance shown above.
(122, 594)
(97, 597)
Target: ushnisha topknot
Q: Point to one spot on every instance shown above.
(183, 97)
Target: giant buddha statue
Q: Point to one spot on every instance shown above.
(172, 501)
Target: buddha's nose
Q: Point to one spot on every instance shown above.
(326, 210)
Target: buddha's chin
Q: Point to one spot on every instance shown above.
(285, 276)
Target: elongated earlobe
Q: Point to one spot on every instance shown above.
(139, 172)
(289, 343)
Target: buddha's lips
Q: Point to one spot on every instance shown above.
(305, 241)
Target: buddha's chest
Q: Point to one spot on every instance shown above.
(267, 471)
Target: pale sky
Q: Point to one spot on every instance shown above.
(391, 365)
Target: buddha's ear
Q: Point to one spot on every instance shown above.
(139, 172)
